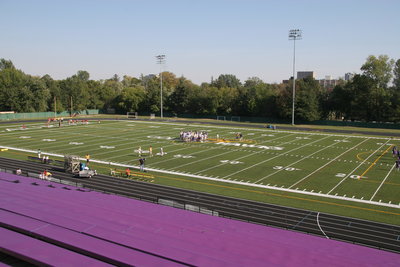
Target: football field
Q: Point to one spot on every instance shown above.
(353, 168)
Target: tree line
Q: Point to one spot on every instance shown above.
(373, 95)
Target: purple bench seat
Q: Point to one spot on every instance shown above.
(185, 236)
(42, 253)
(79, 242)
(193, 243)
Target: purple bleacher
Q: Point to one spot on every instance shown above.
(185, 236)
(55, 217)
(80, 242)
(42, 253)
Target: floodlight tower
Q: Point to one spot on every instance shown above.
(161, 61)
(294, 35)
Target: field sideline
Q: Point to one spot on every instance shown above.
(352, 168)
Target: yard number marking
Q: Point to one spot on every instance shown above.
(354, 176)
(107, 147)
(75, 143)
(159, 137)
(290, 169)
(183, 156)
(234, 162)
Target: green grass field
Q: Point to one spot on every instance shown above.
(351, 175)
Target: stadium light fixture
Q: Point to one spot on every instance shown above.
(294, 35)
(161, 61)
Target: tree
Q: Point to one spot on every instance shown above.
(83, 75)
(6, 64)
(178, 101)
(396, 72)
(258, 98)
(40, 93)
(227, 80)
(129, 81)
(307, 100)
(130, 99)
(357, 100)
(96, 92)
(13, 83)
(379, 69)
(55, 93)
(75, 92)
(151, 102)
(284, 101)
(227, 97)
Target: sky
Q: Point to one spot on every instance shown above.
(200, 39)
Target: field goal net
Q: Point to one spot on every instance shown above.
(132, 115)
(235, 118)
(221, 118)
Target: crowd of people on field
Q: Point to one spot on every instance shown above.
(193, 136)
(60, 121)
(396, 154)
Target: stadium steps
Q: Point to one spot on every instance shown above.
(336, 227)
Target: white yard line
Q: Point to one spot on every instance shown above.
(229, 181)
(327, 164)
(383, 182)
(308, 156)
(220, 154)
(246, 156)
(264, 130)
(280, 155)
(348, 175)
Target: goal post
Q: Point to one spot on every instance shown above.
(221, 118)
(132, 115)
(235, 118)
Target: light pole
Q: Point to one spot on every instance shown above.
(294, 35)
(161, 61)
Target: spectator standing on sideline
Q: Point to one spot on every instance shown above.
(141, 164)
